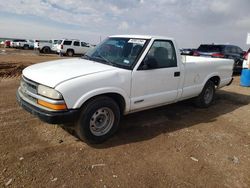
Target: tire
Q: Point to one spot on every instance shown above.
(46, 50)
(69, 129)
(206, 97)
(98, 121)
(70, 53)
(25, 47)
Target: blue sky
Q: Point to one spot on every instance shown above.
(190, 22)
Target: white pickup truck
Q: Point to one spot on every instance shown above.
(44, 46)
(121, 75)
(26, 44)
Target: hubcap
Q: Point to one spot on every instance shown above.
(208, 96)
(70, 53)
(101, 121)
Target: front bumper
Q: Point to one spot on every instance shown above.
(59, 117)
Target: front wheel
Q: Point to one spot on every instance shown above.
(99, 120)
(206, 97)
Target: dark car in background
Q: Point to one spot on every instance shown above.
(223, 51)
(187, 51)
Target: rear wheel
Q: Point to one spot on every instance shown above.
(70, 53)
(206, 97)
(46, 50)
(25, 47)
(99, 120)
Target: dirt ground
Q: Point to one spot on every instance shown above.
(173, 146)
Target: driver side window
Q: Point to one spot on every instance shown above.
(161, 55)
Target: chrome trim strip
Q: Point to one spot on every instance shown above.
(44, 98)
(32, 102)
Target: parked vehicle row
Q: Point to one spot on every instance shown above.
(19, 43)
(69, 47)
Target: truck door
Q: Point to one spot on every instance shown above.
(156, 81)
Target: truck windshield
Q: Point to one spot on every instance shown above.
(120, 52)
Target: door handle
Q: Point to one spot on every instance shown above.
(177, 74)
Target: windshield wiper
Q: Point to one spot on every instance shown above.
(105, 59)
(100, 57)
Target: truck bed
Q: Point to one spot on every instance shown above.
(198, 69)
(198, 59)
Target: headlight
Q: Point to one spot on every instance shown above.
(48, 92)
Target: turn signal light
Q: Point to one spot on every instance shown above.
(52, 106)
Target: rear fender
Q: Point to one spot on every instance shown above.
(208, 78)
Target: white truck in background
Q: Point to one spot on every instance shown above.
(26, 44)
(70, 47)
(122, 75)
(44, 46)
(14, 43)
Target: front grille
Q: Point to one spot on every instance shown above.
(27, 87)
(28, 92)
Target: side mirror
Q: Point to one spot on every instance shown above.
(144, 66)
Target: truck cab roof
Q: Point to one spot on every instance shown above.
(142, 36)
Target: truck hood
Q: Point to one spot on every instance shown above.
(53, 73)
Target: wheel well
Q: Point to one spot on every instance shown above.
(70, 50)
(47, 47)
(116, 97)
(215, 80)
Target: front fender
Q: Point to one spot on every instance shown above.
(103, 91)
(78, 90)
